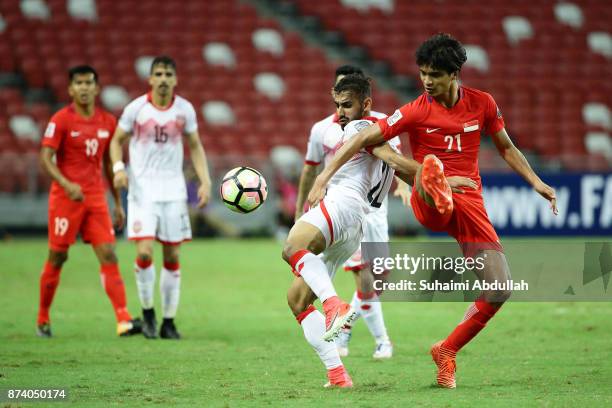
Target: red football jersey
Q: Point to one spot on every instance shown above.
(80, 144)
(453, 135)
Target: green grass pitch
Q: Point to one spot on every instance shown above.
(242, 347)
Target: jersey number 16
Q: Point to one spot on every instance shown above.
(160, 134)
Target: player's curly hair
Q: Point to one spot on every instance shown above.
(357, 84)
(80, 70)
(442, 51)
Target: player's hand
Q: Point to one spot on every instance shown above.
(548, 193)
(203, 195)
(73, 191)
(317, 192)
(403, 192)
(458, 181)
(119, 217)
(120, 179)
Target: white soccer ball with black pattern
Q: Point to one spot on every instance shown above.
(243, 189)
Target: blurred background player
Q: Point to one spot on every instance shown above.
(445, 125)
(157, 198)
(334, 230)
(78, 136)
(323, 141)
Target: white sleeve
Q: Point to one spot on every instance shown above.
(191, 120)
(354, 127)
(314, 152)
(128, 117)
(396, 144)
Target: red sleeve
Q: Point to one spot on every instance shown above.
(494, 121)
(55, 131)
(399, 122)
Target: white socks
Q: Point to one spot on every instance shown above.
(314, 328)
(315, 274)
(371, 311)
(170, 288)
(145, 281)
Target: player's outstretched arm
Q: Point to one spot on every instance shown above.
(519, 163)
(120, 179)
(371, 135)
(200, 164)
(73, 190)
(309, 172)
(406, 168)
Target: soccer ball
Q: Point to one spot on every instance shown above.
(243, 189)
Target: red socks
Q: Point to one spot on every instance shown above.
(475, 319)
(49, 279)
(113, 285)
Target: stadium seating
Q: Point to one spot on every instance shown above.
(541, 60)
(542, 66)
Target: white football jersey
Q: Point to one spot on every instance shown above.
(156, 147)
(363, 177)
(326, 138)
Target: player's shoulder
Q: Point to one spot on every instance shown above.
(62, 114)
(182, 103)
(323, 124)
(475, 94)
(326, 121)
(357, 125)
(137, 103)
(106, 116)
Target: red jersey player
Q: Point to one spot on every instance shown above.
(445, 125)
(78, 135)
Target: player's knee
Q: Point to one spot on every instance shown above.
(288, 251)
(57, 259)
(498, 296)
(145, 257)
(109, 257)
(171, 258)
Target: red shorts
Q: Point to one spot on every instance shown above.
(469, 223)
(67, 218)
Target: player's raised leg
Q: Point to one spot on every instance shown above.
(170, 289)
(303, 244)
(49, 279)
(475, 319)
(432, 185)
(145, 282)
(300, 298)
(115, 289)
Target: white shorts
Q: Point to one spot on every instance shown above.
(166, 221)
(340, 222)
(375, 229)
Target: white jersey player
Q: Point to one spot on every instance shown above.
(157, 199)
(334, 230)
(325, 139)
